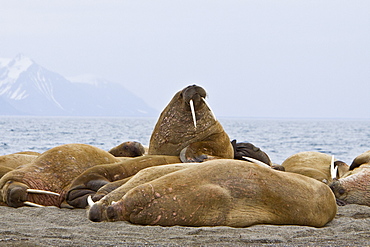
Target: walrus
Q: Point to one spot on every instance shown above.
(354, 186)
(50, 173)
(91, 180)
(188, 127)
(11, 161)
(128, 149)
(312, 164)
(111, 193)
(221, 192)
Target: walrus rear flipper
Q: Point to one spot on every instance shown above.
(90, 181)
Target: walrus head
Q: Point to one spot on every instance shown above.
(188, 125)
(17, 194)
(128, 149)
(353, 189)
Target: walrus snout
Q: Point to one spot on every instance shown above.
(16, 194)
(195, 93)
(95, 213)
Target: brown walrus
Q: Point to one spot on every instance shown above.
(51, 171)
(11, 161)
(187, 127)
(128, 149)
(222, 192)
(312, 164)
(354, 186)
(91, 180)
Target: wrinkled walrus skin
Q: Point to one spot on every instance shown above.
(175, 130)
(227, 192)
(354, 186)
(51, 171)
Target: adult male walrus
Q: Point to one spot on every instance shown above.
(223, 192)
(187, 127)
(52, 171)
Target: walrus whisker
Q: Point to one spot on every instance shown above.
(193, 112)
(213, 114)
(333, 170)
(33, 204)
(42, 192)
(258, 162)
(90, 202)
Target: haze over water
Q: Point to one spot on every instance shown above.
(278, 138)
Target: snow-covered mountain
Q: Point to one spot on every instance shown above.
(27, 88)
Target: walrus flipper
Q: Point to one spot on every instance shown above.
(109, 187)
(208, 149)
(90, 181)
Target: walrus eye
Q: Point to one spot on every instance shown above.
(341, 191)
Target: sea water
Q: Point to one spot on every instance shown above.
(279, 138)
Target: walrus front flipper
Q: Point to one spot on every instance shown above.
(90, 181)
(208, 149)
(106, 189)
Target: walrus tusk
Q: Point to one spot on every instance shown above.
(193, 112)
(258, 162)
(90, 202)
(213, 114)
(333, 170)
(42, 192)
(33, 204)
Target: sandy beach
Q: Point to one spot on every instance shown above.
(52, 226)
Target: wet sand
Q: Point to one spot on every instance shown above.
(52, 226)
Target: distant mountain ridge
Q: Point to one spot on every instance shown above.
(27, 88)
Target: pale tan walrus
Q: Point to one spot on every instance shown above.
(314, 164)
(10, 162)
(354, 186)
(45, 181)
(221, 192)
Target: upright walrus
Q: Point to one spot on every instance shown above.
(220, 192)
(188, 127)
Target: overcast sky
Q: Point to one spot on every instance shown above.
(278, 59)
